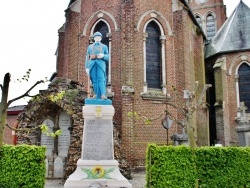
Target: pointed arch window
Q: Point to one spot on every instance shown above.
(198, 18)
(244, 84)
(153, 56)
(210, 25)
(102, 27)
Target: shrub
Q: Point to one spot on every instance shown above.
(22, 166)
(214, 167)
(170, 167)
(227, 167)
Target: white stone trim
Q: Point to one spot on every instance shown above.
(210, 12)
(153, 14)
(163, 56)
(221, 63)
(205, 21)
(145, 87)
(93, 27)
(99, 14)
(237, 82)
(76, 6)
(237, 90)
(234, 61)
(110, 45)
(176, 5)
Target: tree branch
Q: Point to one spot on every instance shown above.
(179, 109)
(22, 129)
(32, 95)
(152, 119)
(26, 94)
(174, 119)
(207, 86)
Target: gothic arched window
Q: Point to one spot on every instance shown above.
(210, 25)
(244, 84)
(198, 18)
(153, 56)
(102, 27)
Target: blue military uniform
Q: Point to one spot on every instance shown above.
(97, 67)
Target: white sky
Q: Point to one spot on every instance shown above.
(28, 40)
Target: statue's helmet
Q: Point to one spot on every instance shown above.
(97, 34)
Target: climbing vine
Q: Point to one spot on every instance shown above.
(45, 129)
(57, 97)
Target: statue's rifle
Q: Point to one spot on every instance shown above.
(88, 84)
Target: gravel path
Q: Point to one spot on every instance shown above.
(137, 181)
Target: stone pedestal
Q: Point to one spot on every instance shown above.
(97, 167)
(244, 134)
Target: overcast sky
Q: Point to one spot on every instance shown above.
(28, 40)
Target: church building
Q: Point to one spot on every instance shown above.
(227, 59)
(163, 54)
(153, 47)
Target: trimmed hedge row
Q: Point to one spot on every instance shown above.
(214, 167)
(227, 167)
(170, 167)
(22, 166)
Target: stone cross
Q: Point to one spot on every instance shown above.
(243, 109)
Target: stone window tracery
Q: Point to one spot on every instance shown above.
(104, 28)
(210, 26)
(244, 84)
(198, 18)
(154, 58)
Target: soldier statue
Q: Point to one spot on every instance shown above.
(96, 58)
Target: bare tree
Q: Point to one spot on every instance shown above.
(5, 103)
(187, 110)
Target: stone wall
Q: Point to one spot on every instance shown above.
(48, 104)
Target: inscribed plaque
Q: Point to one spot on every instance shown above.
(98, 139)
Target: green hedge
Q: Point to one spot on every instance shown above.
(227, 167)
(169, 167)
(22, 166)
(214, 167)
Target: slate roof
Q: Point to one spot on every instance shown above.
(234, 35)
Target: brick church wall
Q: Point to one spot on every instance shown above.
(60, 54)
(72, 63)
(184, 52)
